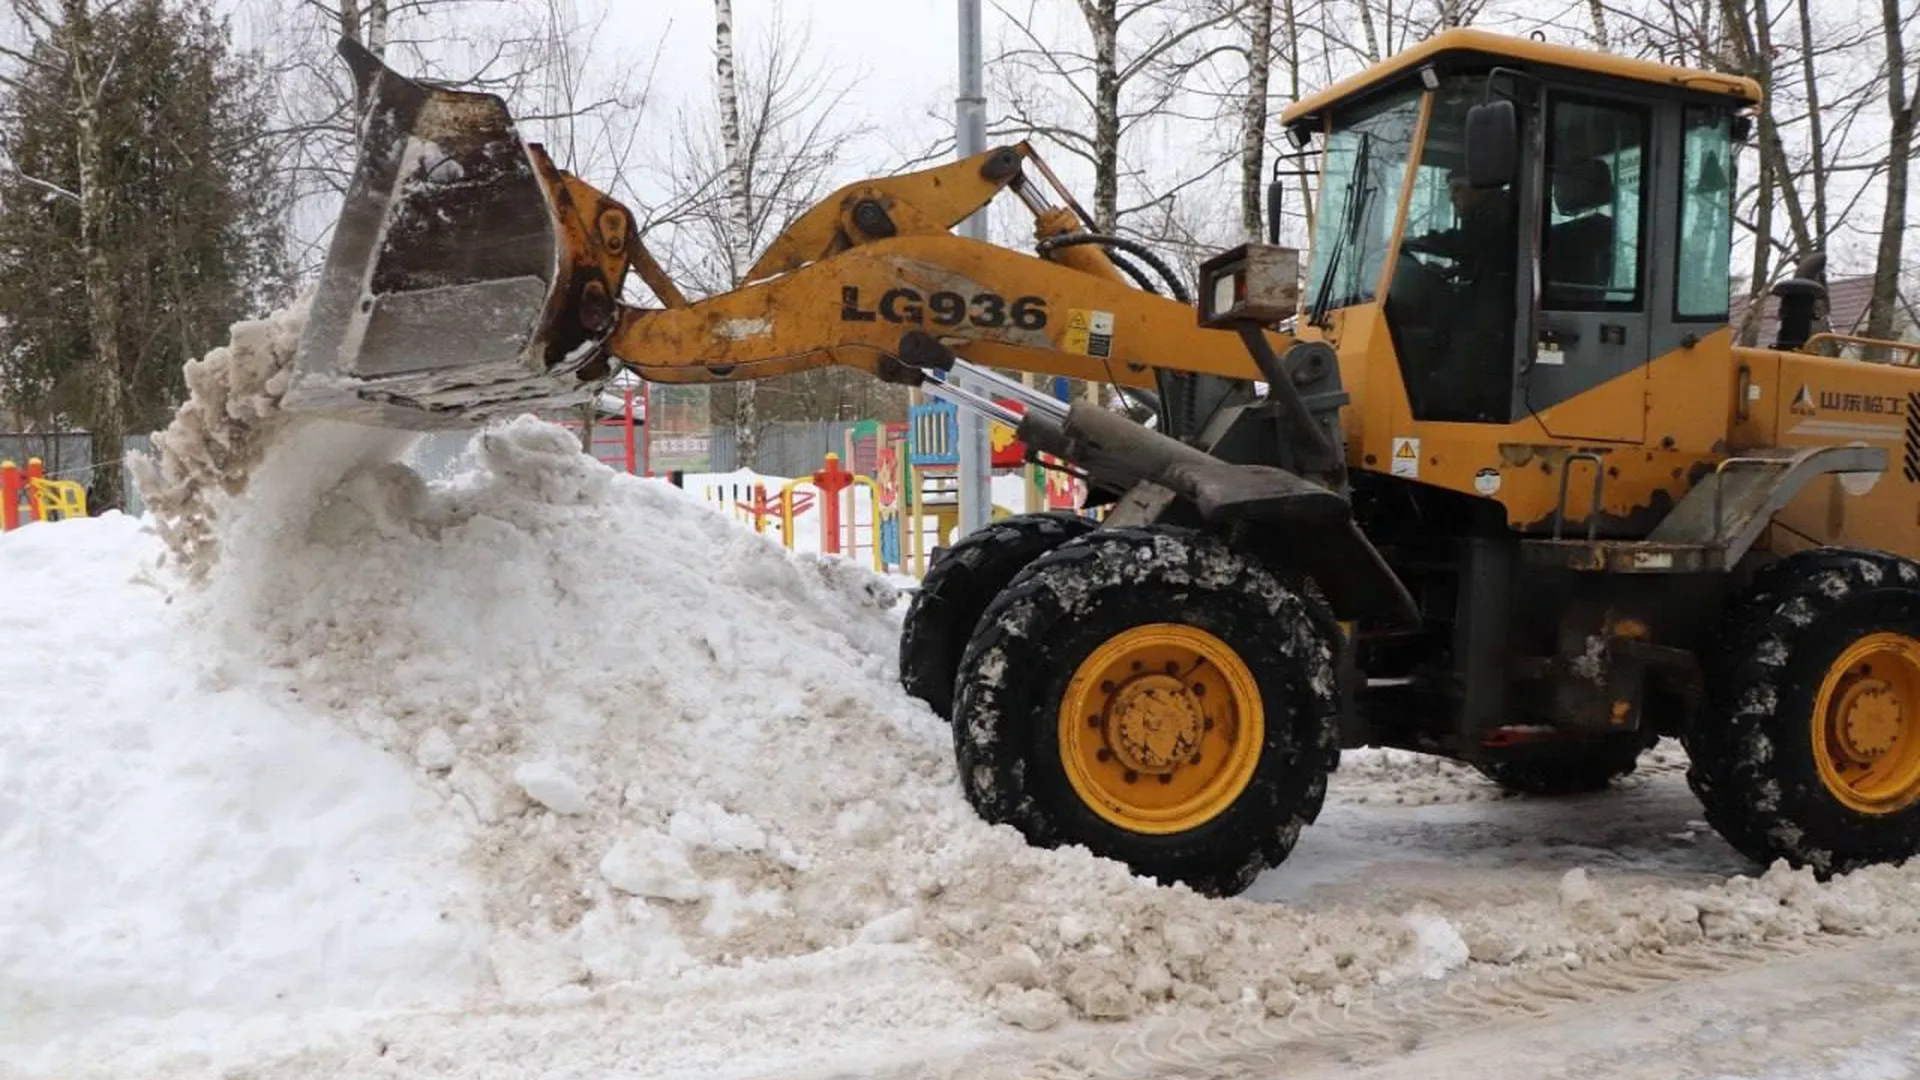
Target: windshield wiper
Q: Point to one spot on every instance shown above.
(1357, 193)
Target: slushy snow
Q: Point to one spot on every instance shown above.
(339, 736)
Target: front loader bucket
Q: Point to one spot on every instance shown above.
(443, 298)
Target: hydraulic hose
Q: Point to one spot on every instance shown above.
(1138, 275)
(1145, 254)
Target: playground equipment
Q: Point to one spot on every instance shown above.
(903, 474)
(828, 483)
(822, 491)
(618, 441)
(27, 495)
(918, 469)
(749, 501)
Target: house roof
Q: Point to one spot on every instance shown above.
(1847, 301)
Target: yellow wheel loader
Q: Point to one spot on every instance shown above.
(1507, 492)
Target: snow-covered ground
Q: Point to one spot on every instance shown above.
(536, 769)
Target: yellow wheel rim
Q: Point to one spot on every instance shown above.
(1161, 728)
(1866, 725)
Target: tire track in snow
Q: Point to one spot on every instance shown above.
(1379, 1027)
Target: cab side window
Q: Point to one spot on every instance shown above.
(1706, 216)
(1590, 242)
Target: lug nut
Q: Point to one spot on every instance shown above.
(1103, 754)
(1093, 721)
(1106, 686)
(1130, 776)
(1199, 689)
(1166, 778)
(1206, 723)
(1173, 666)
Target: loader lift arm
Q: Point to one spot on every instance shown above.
(469, 277)
(453, 229)
(878, 259)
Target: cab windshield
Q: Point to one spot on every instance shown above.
(1364, 167)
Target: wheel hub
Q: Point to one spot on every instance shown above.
(1866, 744)
(1161, 728)
(1154, 724)
(1873, 719)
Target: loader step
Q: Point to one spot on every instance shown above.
(1718, 521)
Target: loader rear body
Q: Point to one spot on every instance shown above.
(1503, 490)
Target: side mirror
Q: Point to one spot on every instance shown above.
(1274, 194)
(1493, 144)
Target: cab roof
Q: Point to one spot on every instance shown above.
(1466, 42)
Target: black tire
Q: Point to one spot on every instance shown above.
(961, 581)
(1036, 633)
(1567, 768)
(1752, 754)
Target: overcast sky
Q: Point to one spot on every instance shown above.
(903, 52)
(898, 58)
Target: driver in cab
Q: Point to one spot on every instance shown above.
(1461, 303)
(1483, 225)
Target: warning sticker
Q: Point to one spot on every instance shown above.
(1089, 333)
(1406, 456)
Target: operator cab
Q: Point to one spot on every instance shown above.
(1515, 174)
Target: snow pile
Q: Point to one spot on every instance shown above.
(1385, 775)
(168, 846)
(677, 744)
(683, 746)
(1593, 923)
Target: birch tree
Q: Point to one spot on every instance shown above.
(1121, 70)
(1255, 108)
(1386, 27)
(1270, 49)
(764, 142)
(1901, 105)
(739, 237)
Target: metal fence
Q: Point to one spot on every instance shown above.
(788, 448)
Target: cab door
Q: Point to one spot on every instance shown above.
(1587, 376)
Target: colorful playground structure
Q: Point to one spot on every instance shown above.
(27, 496)
(918, 469)
(892, 491)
